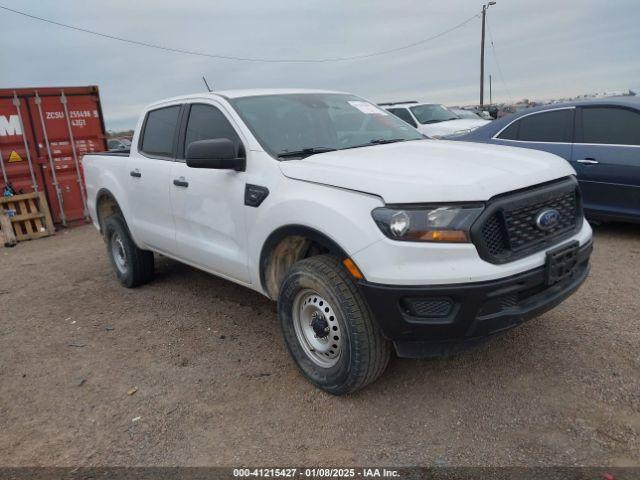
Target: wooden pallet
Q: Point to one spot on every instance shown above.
(32, 218)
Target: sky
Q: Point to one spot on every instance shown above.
(541, 49)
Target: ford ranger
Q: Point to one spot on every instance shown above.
(370, 237)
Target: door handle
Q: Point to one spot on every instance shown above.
(135, 173)
(180, 182)
(588, 161)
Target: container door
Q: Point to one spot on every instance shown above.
(66, 128)
(18, 156)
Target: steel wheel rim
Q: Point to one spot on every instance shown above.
(317, 328)
(118, 253)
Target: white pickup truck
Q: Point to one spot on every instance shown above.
(368, 236)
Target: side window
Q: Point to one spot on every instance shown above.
(554, 126)
(550, 127)
(610, 125)
(207, 122)
(511, 132)
(403, 114)
(159, 130)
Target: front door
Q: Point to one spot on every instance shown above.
(149, 177)
(208, 204)
(606, 157)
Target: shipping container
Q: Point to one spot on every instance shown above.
(44, 132)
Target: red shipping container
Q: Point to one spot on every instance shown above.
(44, 132)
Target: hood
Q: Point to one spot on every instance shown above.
(428, 171)
(451, 126)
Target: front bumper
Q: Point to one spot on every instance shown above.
(435, 320)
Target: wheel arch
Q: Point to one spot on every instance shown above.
(288, 244)
(106, 205)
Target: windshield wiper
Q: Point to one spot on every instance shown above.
(381, 141)
(378, 141)
(305, 152)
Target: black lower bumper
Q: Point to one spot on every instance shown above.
(435, 320)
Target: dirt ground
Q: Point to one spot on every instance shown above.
(215, 385)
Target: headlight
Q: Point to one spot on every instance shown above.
(445, 223)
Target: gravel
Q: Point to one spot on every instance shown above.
(215, 385)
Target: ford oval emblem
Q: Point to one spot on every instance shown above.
(547, 219)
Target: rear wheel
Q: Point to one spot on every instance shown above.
(133, 266)
(329, 328)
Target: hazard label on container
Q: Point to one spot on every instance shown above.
(14, 157)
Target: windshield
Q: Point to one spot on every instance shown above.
(433, 113)
(313, 122)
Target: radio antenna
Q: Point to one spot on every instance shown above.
(206, 84)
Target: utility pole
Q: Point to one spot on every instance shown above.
(490, 95)
(484, 16)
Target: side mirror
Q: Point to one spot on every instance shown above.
(218, 153)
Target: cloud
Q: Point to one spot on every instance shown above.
(545, 48)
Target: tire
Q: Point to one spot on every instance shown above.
(133, 266)
(328, 327)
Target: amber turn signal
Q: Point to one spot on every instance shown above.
(353, 269)
(452, 236)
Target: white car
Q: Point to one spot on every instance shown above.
(118, 144)
(432, 119)
(369, 237)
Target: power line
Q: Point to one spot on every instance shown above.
(237, 58)
(495, 58)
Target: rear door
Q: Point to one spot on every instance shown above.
(208, 204)
(149, 178)
(548, 130)
(606, 156)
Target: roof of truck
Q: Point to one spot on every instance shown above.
(250, 92)
(268, 91)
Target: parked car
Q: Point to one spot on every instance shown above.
(601, 140)
(472, 114)
(432, 119)
(118, 144)
(366, 234)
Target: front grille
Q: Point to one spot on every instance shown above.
(507, 230)
(521, 226)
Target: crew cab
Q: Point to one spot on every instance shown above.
(370, 237)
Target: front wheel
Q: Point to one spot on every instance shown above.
(329, 328)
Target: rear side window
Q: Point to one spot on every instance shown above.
(159, 131)
(511, 132)
(403, 114)
(550, 127)
(610, 125)
(207, 122)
